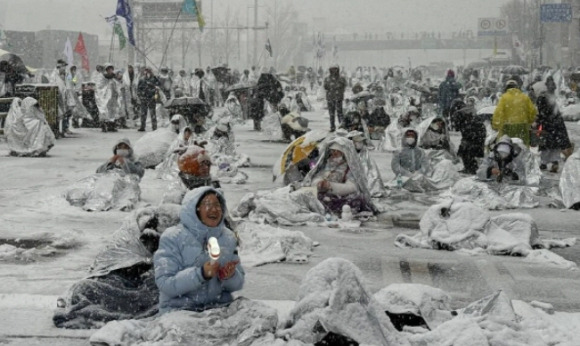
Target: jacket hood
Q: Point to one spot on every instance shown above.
(403, 143)
(125, 141)
(188, 214)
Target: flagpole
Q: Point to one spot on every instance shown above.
(112, 44)
(170, 36)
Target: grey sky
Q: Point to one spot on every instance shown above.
(334, 15)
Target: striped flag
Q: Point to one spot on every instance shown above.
(190, 7)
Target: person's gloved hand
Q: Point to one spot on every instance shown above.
(228, 270)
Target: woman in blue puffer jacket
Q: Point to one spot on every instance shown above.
(186, 276)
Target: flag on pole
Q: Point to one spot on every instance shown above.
(68, 52)
(81, 49)
(269, 47)
(119, 31)
(124, 10)
(190, 7)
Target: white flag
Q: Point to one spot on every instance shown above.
(68, 52)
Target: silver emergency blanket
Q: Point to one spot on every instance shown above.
(352, 160)
(281, 206)
(105, 191)
(423, 127)
(168, 169)
(106, 97)
(261, 244)
(240, 323)
(125, 249)
(439, 177)
(393, 136)
(151, 149)
(26, 129)
(271, 127)
(496, 196)
(333, 298)
(375, 183)
(459, 225)
(570, 180)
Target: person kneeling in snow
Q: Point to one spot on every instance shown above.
(292, 124)
(410, 159)
(339, 178)
(194, 171)
(187, 276)
(503, 163)
(123, 159)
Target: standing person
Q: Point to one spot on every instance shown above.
(73, 84)
(181, 85)
(448, 91)
(131, 82)
(199, 86)
(165, 82)
(334, 85)
(147, 91)
(107, 98)
(472, 137)
(554, 135)
(514, 114)
(212, 89)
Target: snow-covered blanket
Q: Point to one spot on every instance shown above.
(241, 323)
(151, 149)
(569, 181)
(271, 127)
(333, 298)
(494, 196)
(228, 168)
(459, 225)
(261, 244)
(105, 191)
(571, 112)
(281, 206)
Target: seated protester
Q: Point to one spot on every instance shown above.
(410, 119)
(187, 277)
(377, 120)
(26, 129)
(296, 172)
(293, 125)
(473, 135)
(121, 282)
(435, 136)
(303, 105)
(375, 182)
(194, 171)
(178, 123)
(339, 178)
(503, 163)
(410, 160)
(123, 159)
(233, 107)
(167, 170)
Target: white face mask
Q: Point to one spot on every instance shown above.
(123, 152)
(503, 155)
(358, 145)
(435, 126)
(336, 161)
(410, 141)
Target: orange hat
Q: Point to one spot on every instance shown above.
(192, 159)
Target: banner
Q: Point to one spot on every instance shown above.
(81, 49)
(124, 10)
(68, 52)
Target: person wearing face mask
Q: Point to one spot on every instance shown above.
(107, 94)
(503, 164)
(339, 178)
(411, 119)
(410, 160)
(377, 120)
(123, 159)
(436, 136)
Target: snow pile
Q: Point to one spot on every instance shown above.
(333, 299)
(281, 206)
(151, 149)
(228, 168)
(37, 246)
(459, 225)
(241, 323)
(494, 196)
(105, 191)
(571, 112)
(261, 244)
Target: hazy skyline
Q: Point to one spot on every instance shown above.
(345, 16)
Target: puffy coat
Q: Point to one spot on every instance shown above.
(334, 86)
(514, 107)
(131, 165)
(180, 258)
(409, 160)
(554, 132)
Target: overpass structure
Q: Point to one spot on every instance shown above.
(407, 44)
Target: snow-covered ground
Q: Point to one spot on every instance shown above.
(65, 240)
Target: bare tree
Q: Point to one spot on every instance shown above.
(283, 38)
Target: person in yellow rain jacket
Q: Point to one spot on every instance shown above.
(514, 114)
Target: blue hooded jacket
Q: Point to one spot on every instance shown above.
(181, 255)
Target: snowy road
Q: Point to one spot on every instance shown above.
(31, 204)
